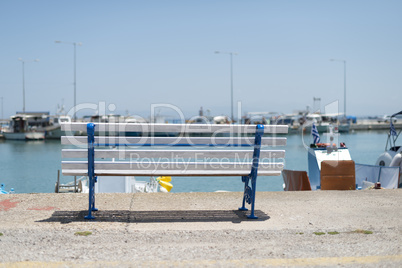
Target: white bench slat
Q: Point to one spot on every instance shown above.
(182, 128)
(174, 141)
(176, 173)
(172, 154)
(169, 168)
(150, 166)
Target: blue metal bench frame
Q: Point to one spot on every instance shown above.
(249, 181)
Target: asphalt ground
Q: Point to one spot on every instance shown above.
(294, 229)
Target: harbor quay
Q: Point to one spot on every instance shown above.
(372, 125)
(294, 229)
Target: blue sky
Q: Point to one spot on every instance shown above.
(138, 53)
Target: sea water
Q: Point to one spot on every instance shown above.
(32, 167)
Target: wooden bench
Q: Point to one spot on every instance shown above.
(220, 150)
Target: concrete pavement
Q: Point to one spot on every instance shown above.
(320, 228)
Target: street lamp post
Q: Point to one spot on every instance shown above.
(344, 84)
(75, 76)
(231, 80)
(23, 81)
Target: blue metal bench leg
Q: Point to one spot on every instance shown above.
(245, 180)
(91, 201)
(91, 170)
(93, 195)
(253, 184)
(249, 192)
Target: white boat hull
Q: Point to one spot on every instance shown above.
(24, 136)
(53, 132)
(317, 155)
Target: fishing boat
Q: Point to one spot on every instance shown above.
(24, 127)
(320, 152)
(221, 119)
(291, 120)
(329, 166)
(4, 126)
(324, 121)
(42, 122)
(255, 118)
(392, 155)
(201, 118)
(51, 124)
(341, 172)
(390, 161)
(53, 128)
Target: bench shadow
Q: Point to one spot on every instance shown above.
(234, 216)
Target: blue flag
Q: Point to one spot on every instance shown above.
(392, 130)
(315, 134)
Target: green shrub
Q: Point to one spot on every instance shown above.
(85, 233)
(319, 233)
(360, 231)
(333, 233)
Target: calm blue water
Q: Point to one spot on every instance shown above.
(31, 167)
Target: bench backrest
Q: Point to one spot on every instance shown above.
(222, 150)
(172, 149)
